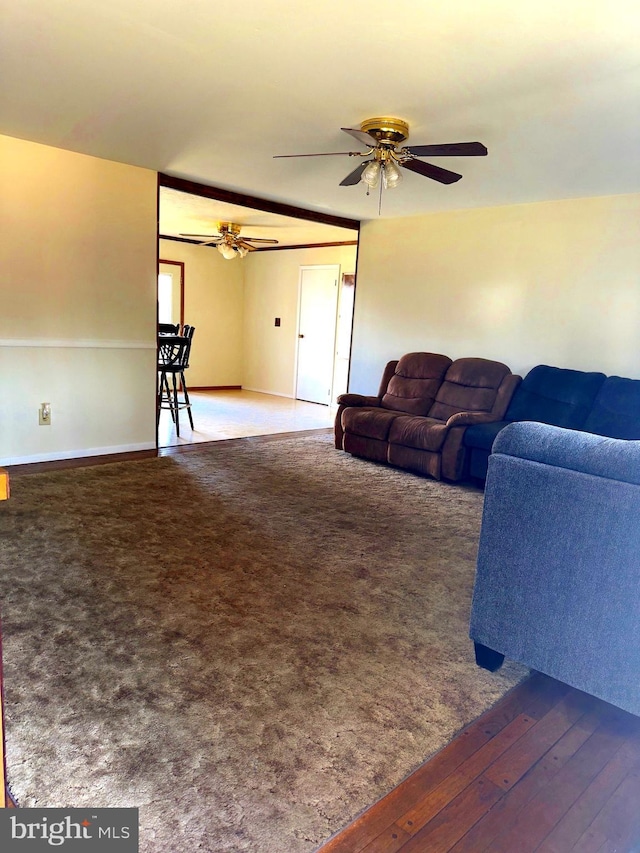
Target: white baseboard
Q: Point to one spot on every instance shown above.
(271, 393)
(76, 454)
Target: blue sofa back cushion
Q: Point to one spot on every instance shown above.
(555, 395)
(616, 409)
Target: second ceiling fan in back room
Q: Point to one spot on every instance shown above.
(229, 242)
(382, 136)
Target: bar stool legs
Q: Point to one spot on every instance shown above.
(168, 398)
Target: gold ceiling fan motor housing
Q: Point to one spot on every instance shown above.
(228, 228)
(388, 131)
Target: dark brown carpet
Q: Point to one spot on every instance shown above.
(251, 642)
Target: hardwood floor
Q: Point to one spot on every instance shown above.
(548, 769)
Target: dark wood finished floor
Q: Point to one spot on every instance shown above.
(548, 769)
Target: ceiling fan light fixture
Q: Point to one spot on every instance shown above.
(371, 174)
(391, 175)
(229, 242)
(227, 251)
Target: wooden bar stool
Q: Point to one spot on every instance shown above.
(173, 360)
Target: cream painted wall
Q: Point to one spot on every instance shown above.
(213, 303)
(271, 290)
(554, 282)
(78, 295)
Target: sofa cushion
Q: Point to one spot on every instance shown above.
(369, 422)
(470, 385)
(616, 409)
(415, 382)
(555, 395)
(422, 433)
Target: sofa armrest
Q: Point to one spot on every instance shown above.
(347, 401)
(503, 398)
(357, 400)
(558, 572)
(467, 418)
(613, 458)
(344, 401)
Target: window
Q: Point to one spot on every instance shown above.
(165, 298)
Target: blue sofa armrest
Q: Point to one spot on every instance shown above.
(558, 570)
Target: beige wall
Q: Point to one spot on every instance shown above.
(78, 295)
(213, 303)
(271, 290)
(554, 282)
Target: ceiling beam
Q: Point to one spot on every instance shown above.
(262, 248)
(277, 207)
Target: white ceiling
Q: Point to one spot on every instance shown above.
(211, 91)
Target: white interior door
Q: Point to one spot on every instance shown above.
(317, 332)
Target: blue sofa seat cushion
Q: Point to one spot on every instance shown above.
(616, 409)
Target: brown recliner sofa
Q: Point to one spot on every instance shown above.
(423, 407)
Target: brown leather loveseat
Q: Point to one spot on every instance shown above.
(423, 407)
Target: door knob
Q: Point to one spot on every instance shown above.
(301, 336)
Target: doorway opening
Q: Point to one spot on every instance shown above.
(244, 352)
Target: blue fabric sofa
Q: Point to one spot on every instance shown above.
(574, 399)
(558, 570)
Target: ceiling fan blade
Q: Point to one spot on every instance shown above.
(449, 149)
(259, 240)
(354, 177)
(360, 135)
(326, 154)
(444, 176)
(207, 236)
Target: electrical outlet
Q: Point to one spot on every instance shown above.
(44, 414)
